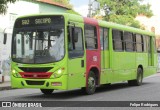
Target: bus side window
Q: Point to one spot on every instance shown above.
(128, 39)
(154, 44)
(145, 43)
(104, 38)
(139, 43)
(91, 37)
(117, 40)
(75, 42)
(5, 38)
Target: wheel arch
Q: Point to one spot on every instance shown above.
(141, 67)
(97, 74)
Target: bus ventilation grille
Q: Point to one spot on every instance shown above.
(44, 69)
(35, 82)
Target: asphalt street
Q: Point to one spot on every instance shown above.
(149, 91)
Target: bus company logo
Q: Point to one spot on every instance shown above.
(20, 104)
(6, 104)
(35, 75)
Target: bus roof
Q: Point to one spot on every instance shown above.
(124, 28)
(70, 16)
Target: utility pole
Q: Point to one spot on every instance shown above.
(89, 9)
(93, 6)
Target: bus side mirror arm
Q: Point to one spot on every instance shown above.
(5, 38)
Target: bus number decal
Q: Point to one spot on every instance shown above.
(95, 58)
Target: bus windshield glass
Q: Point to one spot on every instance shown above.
(42, 42)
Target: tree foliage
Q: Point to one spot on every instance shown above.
(3, 4)
(125, 11)
(64, 2)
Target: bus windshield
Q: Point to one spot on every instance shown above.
(43, 44)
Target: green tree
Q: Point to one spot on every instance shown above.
(125, 11)
(3, 4)
(64, 2)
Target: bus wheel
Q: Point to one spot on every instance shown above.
(47, 91)
(91, 84)
(138, 80)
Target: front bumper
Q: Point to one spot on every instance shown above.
(40, 83)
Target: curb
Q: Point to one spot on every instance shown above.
(5, 88)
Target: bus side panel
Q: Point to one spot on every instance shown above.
(123, 66)
(150, 70)
(151, 58)
(106, 75)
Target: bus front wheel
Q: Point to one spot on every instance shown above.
(138, 80)
(91, 84)
(47, 91)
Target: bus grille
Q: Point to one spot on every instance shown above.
(38, 75)
(44, 69)
(35, 82)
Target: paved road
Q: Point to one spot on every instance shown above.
(149, 91)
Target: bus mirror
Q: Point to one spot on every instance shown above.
(5, 38)
(76, 37)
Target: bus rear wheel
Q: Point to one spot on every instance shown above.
(47, 91)
(138, 80)
(91, 84)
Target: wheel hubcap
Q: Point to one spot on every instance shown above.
(91, 83)
(140, 79)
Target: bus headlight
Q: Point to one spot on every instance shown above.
(16, 74)
(58, 73)
(13, 71)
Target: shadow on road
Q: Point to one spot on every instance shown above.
(64, 95)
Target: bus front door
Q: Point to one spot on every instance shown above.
(76, 57)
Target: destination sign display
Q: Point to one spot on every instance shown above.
(39, 21)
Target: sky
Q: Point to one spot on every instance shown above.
(155, 7)
(81, 6)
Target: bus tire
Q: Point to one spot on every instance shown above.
(91, 84)
(138, 80)
(47, 91)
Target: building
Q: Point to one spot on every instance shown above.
(151, 24)
(23, 7)
(15, 10)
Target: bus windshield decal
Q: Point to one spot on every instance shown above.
(25, 22)
(43, 21)
(39, 21)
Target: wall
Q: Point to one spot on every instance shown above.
(47, 8)
(15, 10)
(21, 8)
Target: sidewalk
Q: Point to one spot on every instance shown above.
(5, 85)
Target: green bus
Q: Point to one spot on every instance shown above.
(65, 51)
